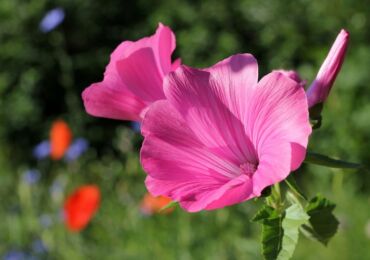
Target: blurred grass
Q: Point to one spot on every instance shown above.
(42, 76)
(121, 231)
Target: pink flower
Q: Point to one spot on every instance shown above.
(133, 78)
(221, 137)
(320, 87)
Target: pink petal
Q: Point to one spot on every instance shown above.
(171, 149)
(235, 77)
(141, 65)
(205, 192)
(141, 76)
(104, 101)
(162, 43)
(274, 166)
(125, 94)
(180, 167)
(293, 75)
(277, 123)
(320, 88)
(233, 192)
(211, 105)
(166, 45)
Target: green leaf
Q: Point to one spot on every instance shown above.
(264, 213)
(295, 216)
(324, 160)
(280, 230)
(322, 223)
(169, 205)
(272, 231)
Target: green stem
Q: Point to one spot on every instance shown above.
(274, 200)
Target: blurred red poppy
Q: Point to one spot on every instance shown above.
(81, 206)
(60, 139)
(151, 205)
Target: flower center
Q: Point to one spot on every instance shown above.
(248, 168)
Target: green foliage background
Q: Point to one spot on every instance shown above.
(42, 76)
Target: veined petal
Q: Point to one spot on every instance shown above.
(207, 107)
(235, 77)
(102, 100)
(170, 146)
(235, 191)
(181, 167)
(278, 109)
(133, 78)
(166, 43)
(162, 43)
(205, 193)
(277, 123)
(139, 73)
(274, 166)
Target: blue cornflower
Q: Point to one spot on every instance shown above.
(52, 19)
(15, 255)
(41, 150)
(77, 148)
(31, 176)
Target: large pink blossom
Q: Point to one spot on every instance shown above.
(221, 136)
(133, 78)
(320, 87)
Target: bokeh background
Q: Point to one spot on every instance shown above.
(42, 75)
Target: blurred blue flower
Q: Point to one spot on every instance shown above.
(39, 247)
(136, 126)
(31, 176)
(76, 149)
(45, 220)
(15, 255)
(42, 150)
(52, 19)
(61, 215)
(56, 188)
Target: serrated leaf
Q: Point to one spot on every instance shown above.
(272, 231)
(280, 231)
(324, 160)
(295, 216)
(264, 213)
(322, 223)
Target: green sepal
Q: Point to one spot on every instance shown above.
(315, 115)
